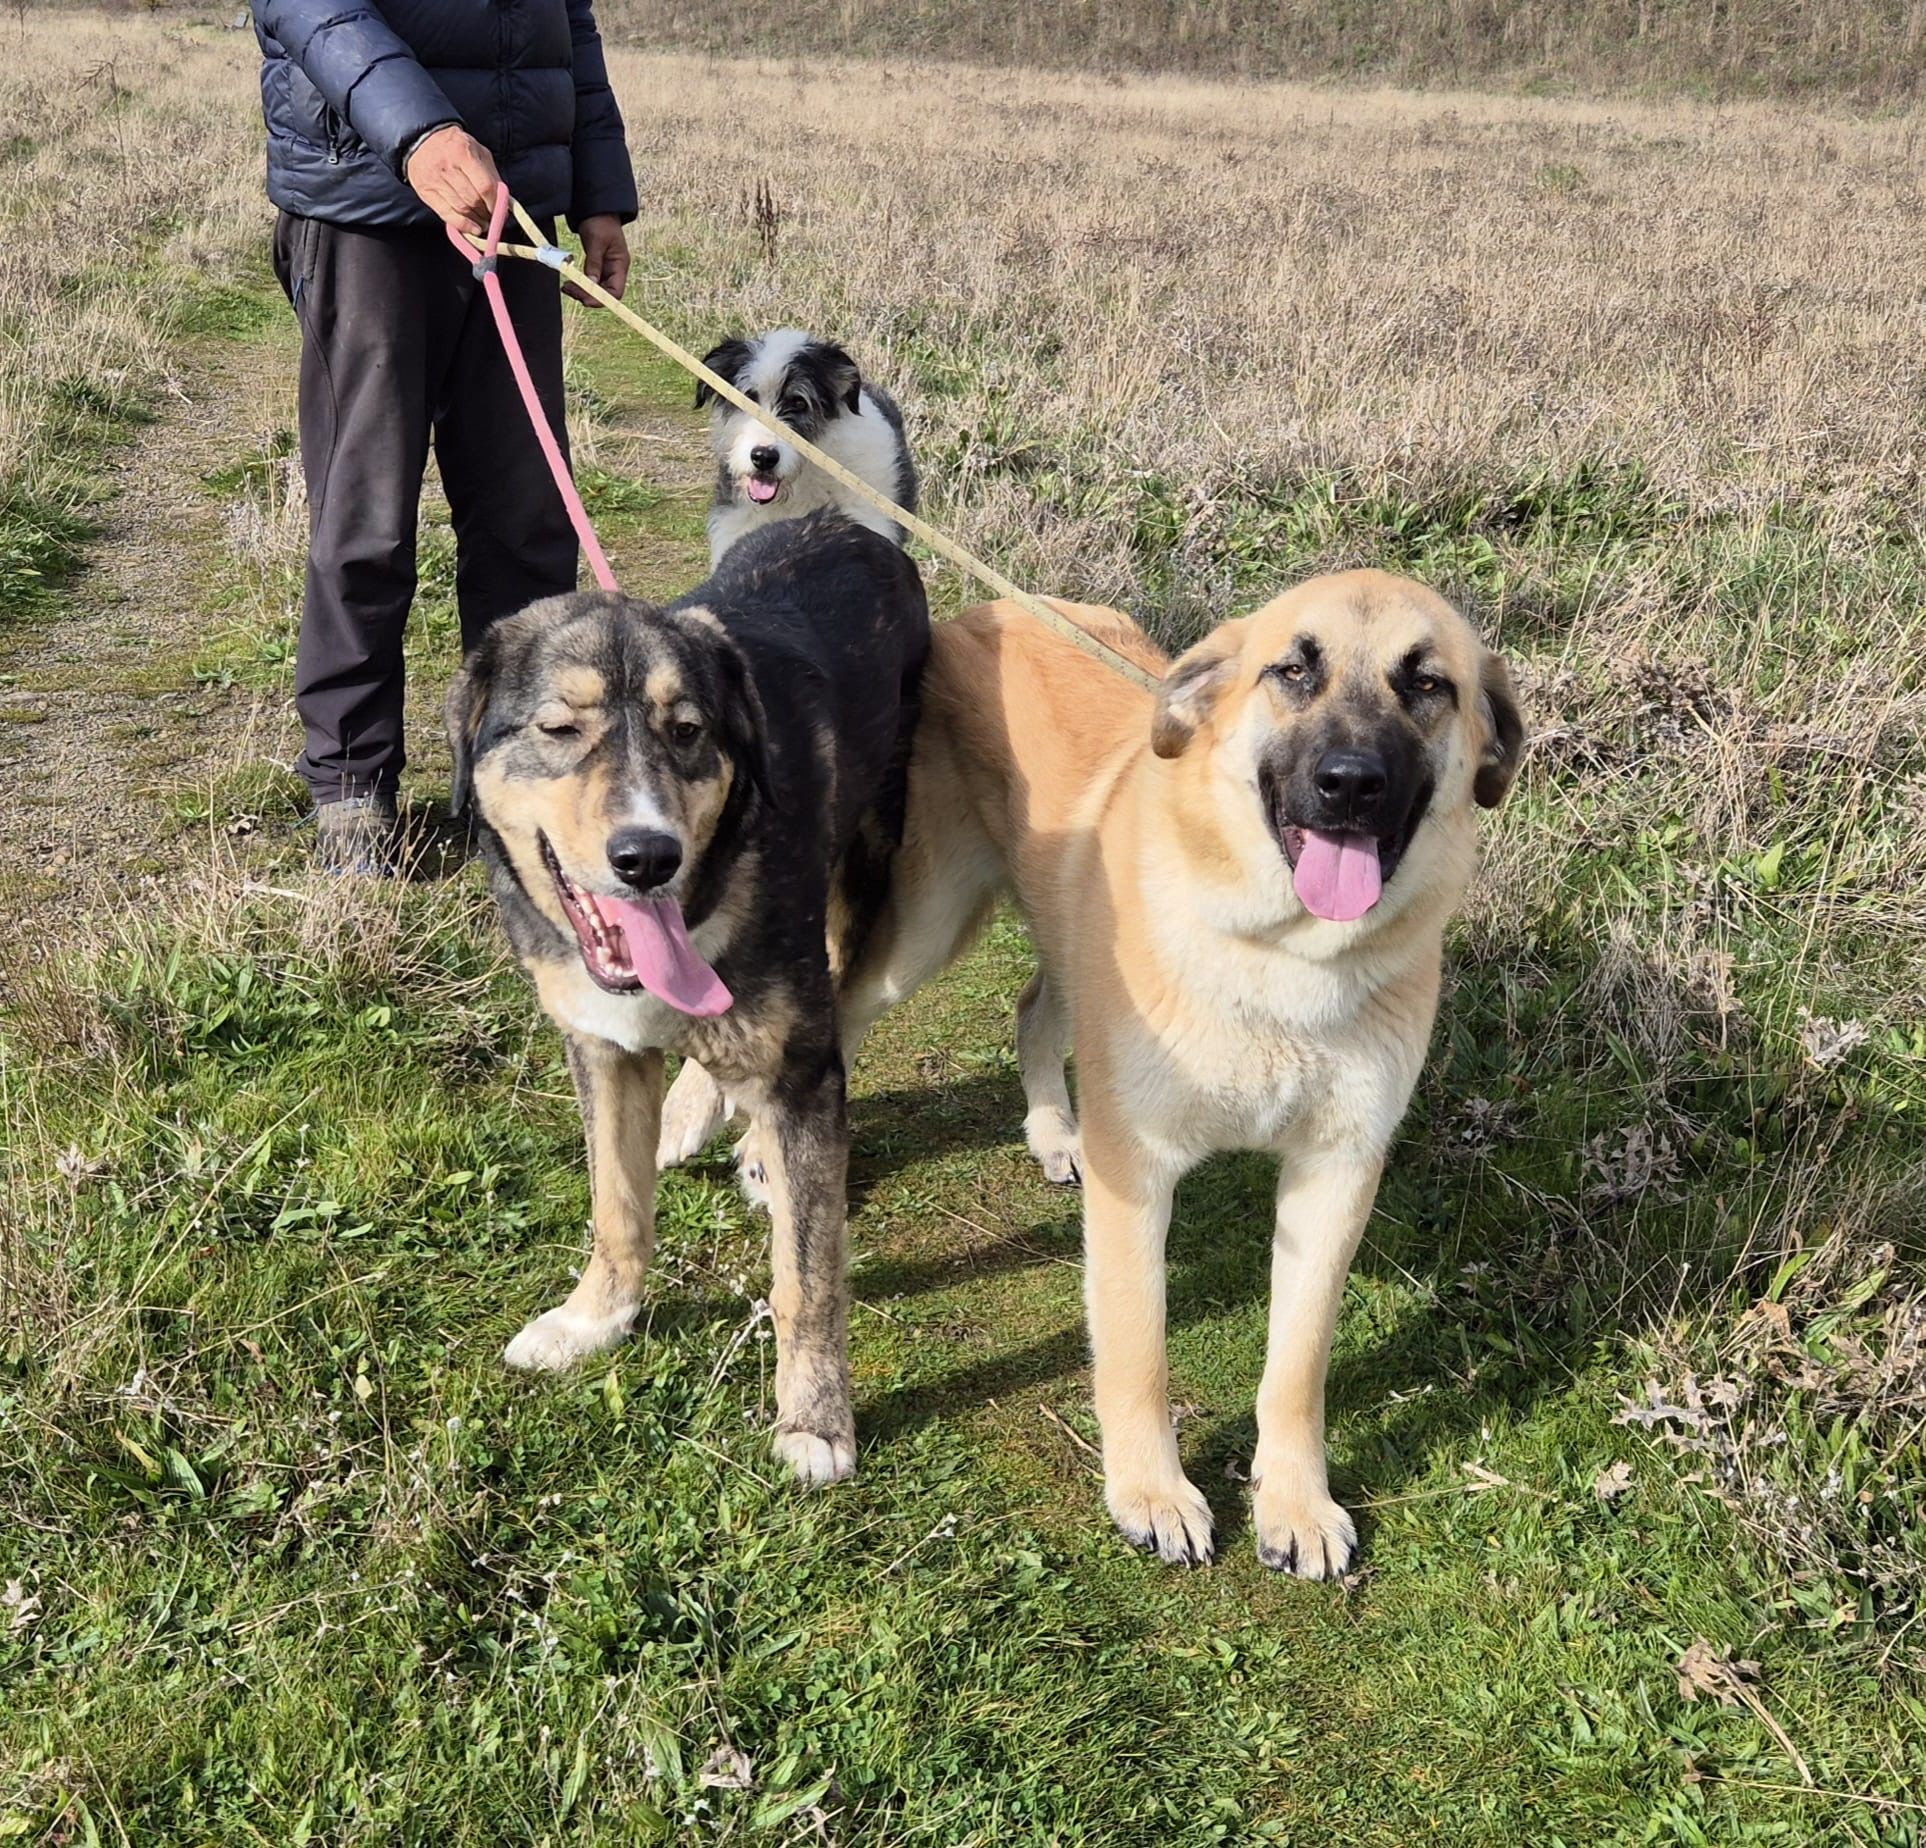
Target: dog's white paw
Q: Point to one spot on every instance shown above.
(817, 1461)
(563, 1336)
(752, 1172)
(1308, 1535)
(1054, 1141)
(1171, 1520)
(692, 1114)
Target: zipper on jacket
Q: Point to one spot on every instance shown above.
(332, 123)
(504, 83)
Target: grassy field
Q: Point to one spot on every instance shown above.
(1865, 49)
(1630, 1383)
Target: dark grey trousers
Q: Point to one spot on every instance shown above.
(397, 345)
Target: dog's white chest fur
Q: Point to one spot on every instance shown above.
(635, 1022)
(1256, 1046)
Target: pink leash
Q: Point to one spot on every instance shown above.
(517, 364)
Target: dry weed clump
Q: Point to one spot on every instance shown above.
(1797, 1416)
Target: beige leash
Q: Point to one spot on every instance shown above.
(539, 251)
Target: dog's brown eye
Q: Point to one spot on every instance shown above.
(560, 728)
(1427, 684)
(685, 731)
(1292, 671)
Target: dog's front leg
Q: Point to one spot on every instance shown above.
(1323, 1201)
(802, 1132)
(697, 1109)
(1126, 1217)
(621, 1097)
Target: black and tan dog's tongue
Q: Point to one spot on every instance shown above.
(665, 962)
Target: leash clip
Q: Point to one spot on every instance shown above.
(551, 254)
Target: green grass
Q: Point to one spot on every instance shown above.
(46, 521)
(288, 1556)
(49, 508)
(302, 1549)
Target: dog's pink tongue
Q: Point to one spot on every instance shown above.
(762, 490)
(664, 960)
(1337, 875)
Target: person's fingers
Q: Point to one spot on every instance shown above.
(594, 263)
(614, 259)
(481, 174)
(456, 178)
(605, 254)
(478, 187)
(615, 273)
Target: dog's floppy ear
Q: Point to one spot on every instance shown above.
(1192, 686)
(1504, 734)
(727, 360)
(841, 378)
(465, 709)
(745, 726)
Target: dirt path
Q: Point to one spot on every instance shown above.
(101, 719)
(104, 730)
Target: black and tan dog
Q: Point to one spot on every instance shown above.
(688, 815)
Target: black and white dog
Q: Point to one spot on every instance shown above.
(816, 389)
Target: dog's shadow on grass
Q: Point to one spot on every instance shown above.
(1448, 1363)
(890, 1130)
(1488, 1277)
(1210, 1275)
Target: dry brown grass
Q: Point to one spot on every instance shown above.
(1261, 282)
(1866, 48)
(130, 185)
(1147, 330)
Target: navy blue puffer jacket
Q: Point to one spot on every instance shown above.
(348, 87)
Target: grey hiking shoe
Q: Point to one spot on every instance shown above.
(358, 834)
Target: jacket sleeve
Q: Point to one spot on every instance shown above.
(364, 70)
(604, 181)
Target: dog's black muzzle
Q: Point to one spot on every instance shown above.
(1339, 782)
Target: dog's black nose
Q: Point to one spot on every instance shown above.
(644, 857)
(1350, 780)
(765, 456)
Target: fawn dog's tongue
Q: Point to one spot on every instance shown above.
(665, 962)
(1337, 875)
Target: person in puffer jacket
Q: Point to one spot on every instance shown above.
(384, 124)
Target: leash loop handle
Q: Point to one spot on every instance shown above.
(491, 282)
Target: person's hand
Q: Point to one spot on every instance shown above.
(455, 176)
(605, 256)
